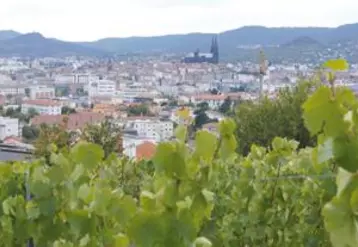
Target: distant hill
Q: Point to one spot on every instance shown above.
(303, 41)
(229, 41)
(8, 34)
(36, 45)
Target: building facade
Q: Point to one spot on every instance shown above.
(156, 129)
(8, 127)
(42, 92)
(43, 107)
(102, 88)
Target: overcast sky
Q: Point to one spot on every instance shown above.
(87, 20)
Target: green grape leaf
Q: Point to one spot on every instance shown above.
(126, 208)
(79, 221)
(325, 151)
(202, 242)
(77, 173)
(168, 160)
(56, 174)
(7, 206)
(354, 202)
(227, 127)
(170, 194)
(228, 147)
(84, 193)
(345, 154)
(40, 189)
(47, 207)
(88, 154)
(147, 200)
(317, 116)
(85, 240)
(181, 133)
(336, 64)
(208, 195)
(205, 144)
(340, 222)
(32, 210)
(121, 240)
(343, 179)
(147, 229)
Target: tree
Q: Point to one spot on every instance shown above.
(225, 107)
(31, 113)
(200, 119)
(52, 138)
(258, 123)
(137, 110)
(65, 110)
(203, 106)
(105, 134)
(30, 133)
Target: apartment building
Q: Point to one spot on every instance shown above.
(151, 128)
(214, 101)
(8, 89)
(42, 92)
(102, 88)
(42, 106)
(8, 127)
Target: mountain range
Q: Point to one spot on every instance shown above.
(13, 43)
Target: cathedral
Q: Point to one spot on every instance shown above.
(212, 57)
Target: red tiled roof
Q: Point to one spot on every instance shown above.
(12, 140)
(146, 150)
(210, 97)
(42, 102)
(75, 121)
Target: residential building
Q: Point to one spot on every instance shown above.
(42, 92)
(11, 89)
(102, 88)
(8, 127)
(42, 106)
(214, 101)
(151, 128)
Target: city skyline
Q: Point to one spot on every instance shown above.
(88, 21)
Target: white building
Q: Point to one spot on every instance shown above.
(10, 89)
(214, 101)
(42, 92)
(158, 130)
(43, 107)
(8, 127)
(101, 88)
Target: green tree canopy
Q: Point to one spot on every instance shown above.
(259, 122)
(106, 134)
(137, 110)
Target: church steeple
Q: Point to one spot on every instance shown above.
(215, 49)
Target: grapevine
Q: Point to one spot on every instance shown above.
(202, 195)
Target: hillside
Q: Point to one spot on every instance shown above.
(302, 41)
(229, 40)
(13, 43)
(34, 44)
(8, 34)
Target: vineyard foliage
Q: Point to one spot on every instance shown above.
(203, 196)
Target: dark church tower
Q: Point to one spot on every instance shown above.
(215, 50)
